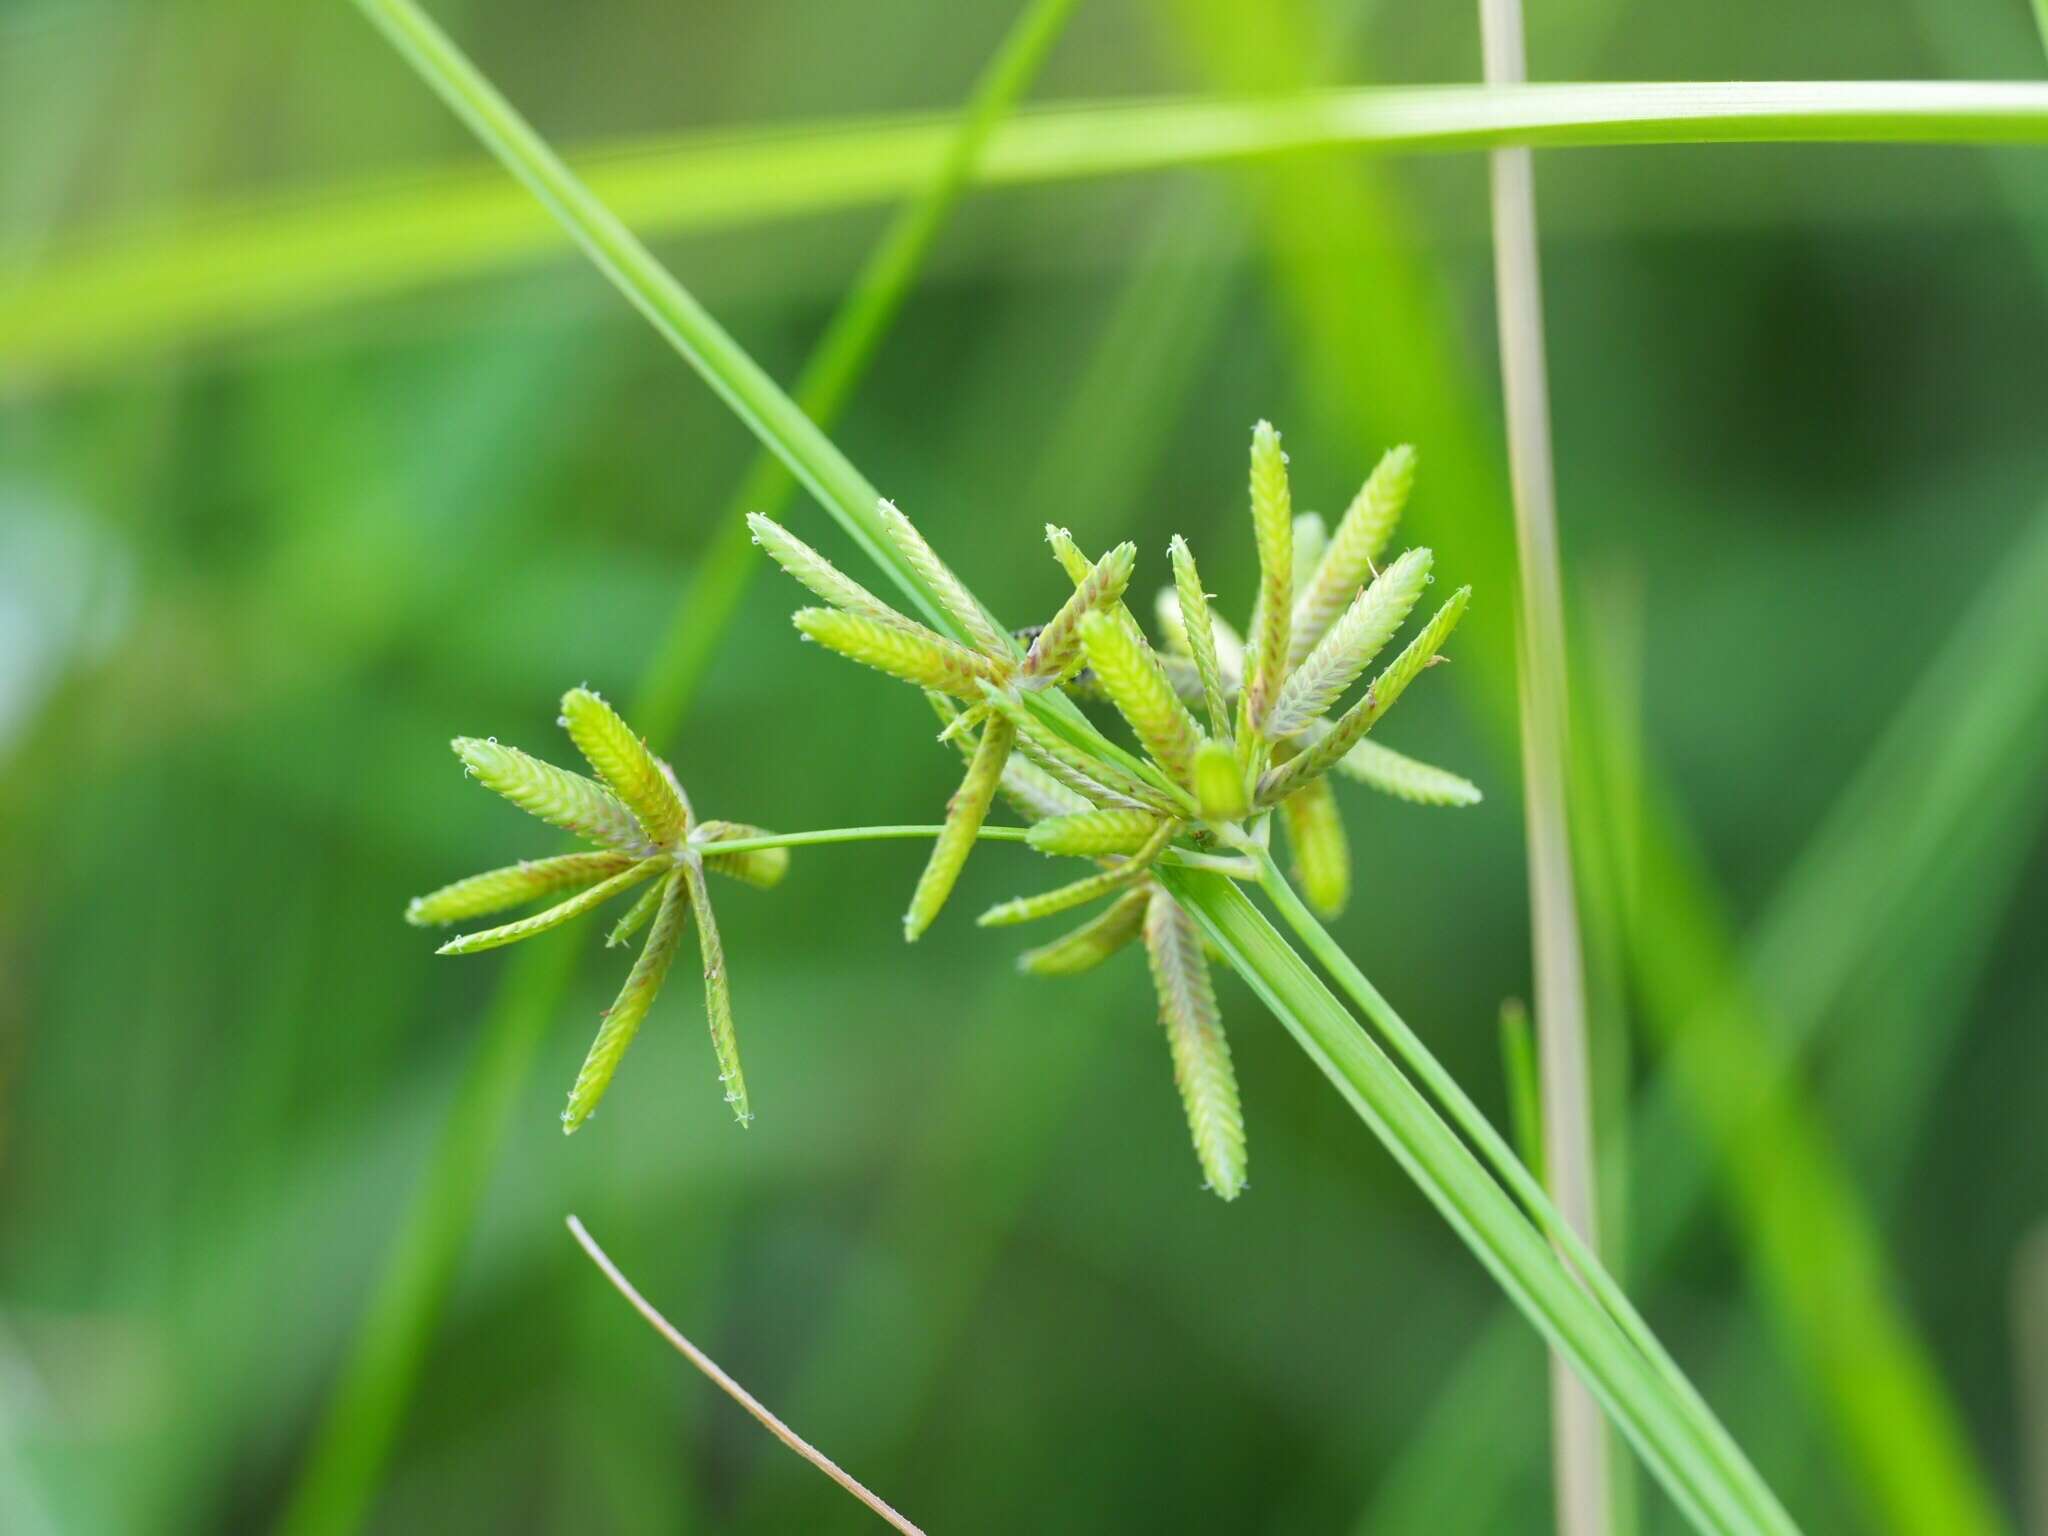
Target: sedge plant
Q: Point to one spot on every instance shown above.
(1468, 1172)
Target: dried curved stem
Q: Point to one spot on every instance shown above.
(733, 1389)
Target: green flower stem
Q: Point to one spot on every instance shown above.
(1676, 1437)
(1418, 1058)
(1236, 868)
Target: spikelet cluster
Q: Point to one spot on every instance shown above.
(637, 814)
(1229, 732)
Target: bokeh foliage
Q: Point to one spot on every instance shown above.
(250, 587)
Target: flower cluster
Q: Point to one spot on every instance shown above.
(641, 821)
(1265, 742)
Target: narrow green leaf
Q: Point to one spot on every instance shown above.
(557, 796)
(1093, 834)
(1349, 645)
(964, 815)
(1403, 777)
(1684, 1446)
(1525, 1099)
(1386, 689)
(1194, 1034)
(1362, 534)
(555, 916)
(496, 889)
(725, 1043)
(623, 761)
(1273, 529)
(1026, 909)
(1322, 857)
(622, 1020)
(1093, 942)
(1197, 629)
(912, 654)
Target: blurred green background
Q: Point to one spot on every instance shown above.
(253, 576)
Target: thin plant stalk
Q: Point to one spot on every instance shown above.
(1579, 1440)
(732, 1388)
(1681, 1441)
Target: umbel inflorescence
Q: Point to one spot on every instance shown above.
(1265, 741)
(1203, 789)
(645, 833)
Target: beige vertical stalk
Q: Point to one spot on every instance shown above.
(1579, 1434)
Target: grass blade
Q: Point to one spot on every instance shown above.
(236, 268)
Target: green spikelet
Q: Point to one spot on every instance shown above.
(622, 1019)
(1273, 526)
(1100, 783)
(555, 916)
(1093, 834)
(1198, 631)
(636, 916)
(762, 868)
(1229, 644)
(623, 761)
(817, 573)
(496, 889)
(557, 796)
(1091, 943)
(725, 1043)
(1057, 650)
(1139, 688)
(952, 593)
(1068, 553)
(1026, 909)
(1404, 778)
(964, 815)
(1362, 533)
(1219, 783)
(1322, 857)
(1388, 687)
(1194, 1034)
(1350, 645)
(1034, 793)
(913, 654)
